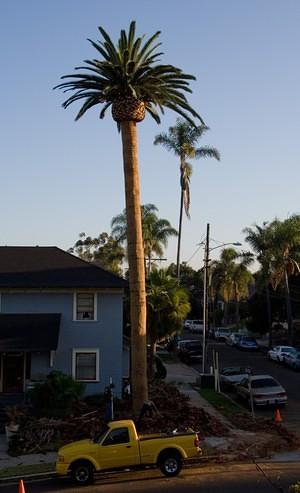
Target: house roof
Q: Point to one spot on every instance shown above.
(29, 331)
(51, 267)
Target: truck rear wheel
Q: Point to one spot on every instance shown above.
(82, 472)
(170, 463)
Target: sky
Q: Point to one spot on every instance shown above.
(59, 177)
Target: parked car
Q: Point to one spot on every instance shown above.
(292, 360)
(233, 339)
(247, 343)
(278, 353)
(187, 324)
(180, 345)
(191, 351)
(264, 388)
(221, 334)
(196, 326)
(118, 445)
(232, 375)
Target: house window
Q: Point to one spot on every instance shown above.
(85, 306)
(86, 365)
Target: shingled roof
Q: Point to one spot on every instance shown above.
(51, 267)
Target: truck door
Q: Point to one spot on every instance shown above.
(117, 450)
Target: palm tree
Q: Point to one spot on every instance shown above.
(260, 239)
(127, 78)
(182, 140)
(156, 232)
(167, 307)
(231, 278)
(285, 257)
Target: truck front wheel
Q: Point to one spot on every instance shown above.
(170, 463)
(82, 472)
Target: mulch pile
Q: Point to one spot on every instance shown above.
(172, 410)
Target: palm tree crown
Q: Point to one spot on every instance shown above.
(128, 73)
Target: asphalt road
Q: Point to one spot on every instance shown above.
(209, 479)
(289, 379)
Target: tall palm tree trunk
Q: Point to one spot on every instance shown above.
(136, 266)
(179, 234)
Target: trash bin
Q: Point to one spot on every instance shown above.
(206, 381)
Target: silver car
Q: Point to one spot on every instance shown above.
(265, 390)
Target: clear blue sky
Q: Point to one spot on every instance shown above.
(59, 177)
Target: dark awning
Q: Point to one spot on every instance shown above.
(29, 331)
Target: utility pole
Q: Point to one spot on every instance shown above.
(205, 298)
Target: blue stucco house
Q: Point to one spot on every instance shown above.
(58, 312)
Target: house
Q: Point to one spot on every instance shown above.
(58, 312)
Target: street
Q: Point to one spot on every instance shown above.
(230, 356)
(209, 479)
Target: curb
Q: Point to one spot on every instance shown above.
(217, 462)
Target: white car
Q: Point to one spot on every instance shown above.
(278, 353)
(265, 390)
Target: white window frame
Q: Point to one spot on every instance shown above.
(86, 350)
(75, 319)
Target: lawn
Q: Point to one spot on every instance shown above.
(224, 405)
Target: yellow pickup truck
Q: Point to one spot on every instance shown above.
(118, 446)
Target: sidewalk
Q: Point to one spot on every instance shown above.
(184, 377)
(6, 461)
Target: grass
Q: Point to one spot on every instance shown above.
(29, 469)
(225, 406)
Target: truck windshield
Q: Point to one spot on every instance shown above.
(100, 435)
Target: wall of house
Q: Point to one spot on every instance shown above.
(105, 334)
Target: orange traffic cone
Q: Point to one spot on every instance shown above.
(21, 486)
(278, 418)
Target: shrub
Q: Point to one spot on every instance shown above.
(57, 396)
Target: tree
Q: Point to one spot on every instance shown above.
(167, 307)
(260, 240)
(182, 140)
(232, 278)
(127, 78)
(285, 256)
(103, 250)
(156, 232)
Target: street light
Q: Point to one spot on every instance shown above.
(205, 297)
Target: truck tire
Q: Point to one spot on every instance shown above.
(82, 472)
(170, 463)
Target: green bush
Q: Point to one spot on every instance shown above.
(295, 488)
(57, 396)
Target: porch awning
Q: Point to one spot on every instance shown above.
(29, 331)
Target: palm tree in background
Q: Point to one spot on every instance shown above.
(182, 140)
(127, 78)
(231, 278)
(156, 233)
(260, 240)
(167, 307)
(285, 258)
